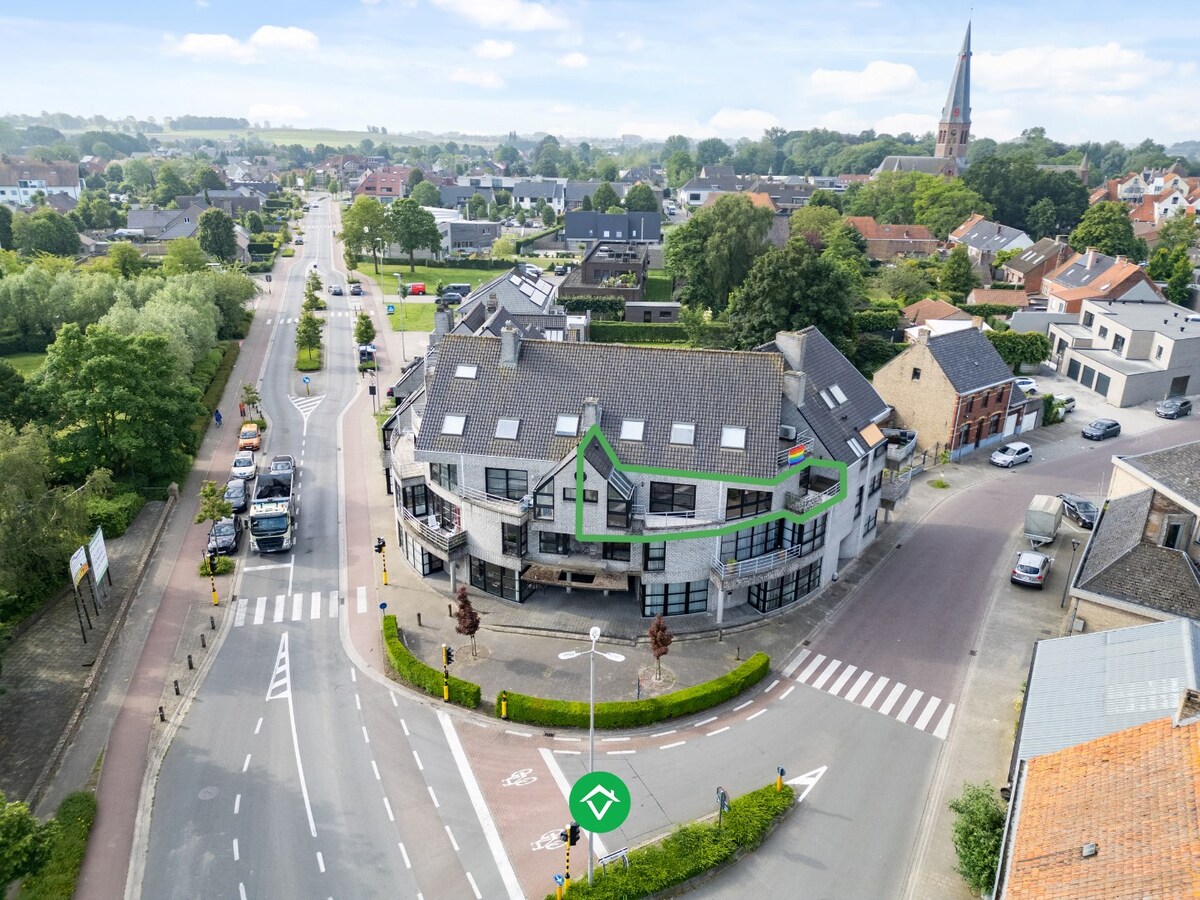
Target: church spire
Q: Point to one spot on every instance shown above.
(955, 125)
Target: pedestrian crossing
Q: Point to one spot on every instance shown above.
(298, 607)
(893, 699)
(328, 313)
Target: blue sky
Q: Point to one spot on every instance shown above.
(608, 67)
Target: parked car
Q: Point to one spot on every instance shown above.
(283, 464)
(1101, 429)
(1012, 455)
(451, 297)
(249, 437)
(415, 289)
(1068, 403)
(1028, 385)
(356, 290)
(237, 496)
(530, 269)
(335, 290)
(560, 270)
(1082, 510)
(225, 536)
(1173, 409)
(458, 287)
(244, 465)
(1031, 568)
(299, 240)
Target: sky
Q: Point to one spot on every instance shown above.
(603, 68)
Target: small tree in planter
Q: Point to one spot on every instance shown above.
(468, 619)
(660, 643)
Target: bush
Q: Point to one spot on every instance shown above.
(306, 364)
(637, 332)
(224, 566)
(57, 878)
(288, 251)
(691, 850)
(114, 513)
(876, 320)
(215, 389)
(634, 713)
(603, 307)
(545, 232)
(426, 678)
(978, 830)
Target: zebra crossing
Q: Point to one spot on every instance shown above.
(329, 314)
(895, 699)
(302, 606)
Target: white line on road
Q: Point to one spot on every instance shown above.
(718, 731)
(242, 887)
(282, 663)
(366, 737)
(768, 688)
(403, 724)
(362, 598)
(375, 769)
(246, 764)
(897, 690)
(333, 605)
(260, 610)
(842, 679)
(755, 715)
(236, 854)
(453, 842)
(561, 780)
(420, 767)
(518, 733)
(784, 695)
(795, 663)
(613, 740)
(297, 607)
(404, 853)
(742, 705)
(569, 752)
(669, 746)
(280, 601)
(237, 804)
(858, 685)
(572, 740)
(267, 566)
(357, 703)
(388, 807)
(486, 823)
(661, 733)
(433, 797)
(824, 676)
(810, 668)
(704, 721)
(353, 674)
(239, 615)
(943, 725)
(927, 713)
(316, 605)
(909, 705)
(875, 691)
(259, 725)
(474, 887)
(619, 752)
(320, 861)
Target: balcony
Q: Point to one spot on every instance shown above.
(895, 487)
(427, 530)
(682, 519)
(803, 503)
(759, 565)
(901, 445)
(503, 505)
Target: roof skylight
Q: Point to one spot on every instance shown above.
(466, 371)
(632, 430)
(507, 428)
(566, 426)
(733, 437)
(453, 424)
(683, 433)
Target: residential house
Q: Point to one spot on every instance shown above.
(531, 301)
(984, 239)
(1129, 351)
(955, 391)
(1030, 267)
(61, 203)
(998, 297)
(526, 194)
(1154, 209)
(575, 191)
(757, 198)
(487, 454)
(93, 165)
(457, 196)
(711, 180)
(936, 327)
(612, 269)
(1095, 276)
(1142, 560)
(786, 197)
(583, 228)
(234, 201)
(384, 183)
(888, 242)
(163, 224)
(924, 311)
(463, 237)
(347, 168)
(653, 175)
(22, 179)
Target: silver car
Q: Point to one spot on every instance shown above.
(1031, 568)
(1011, 455)
(244, 465)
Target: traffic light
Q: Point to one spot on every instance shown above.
(574, 835)
(379, 545)
(447, 655)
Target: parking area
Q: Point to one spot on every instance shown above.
(1091, 406)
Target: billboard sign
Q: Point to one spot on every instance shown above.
(79, 566)
(98, 554)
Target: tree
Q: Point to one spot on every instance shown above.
(467, 619)
(604, 197)
(6, 235)
(1178, 290)
(1106, 226)
(790, 289)
(711, 151)
(549, 218)
(1041, 219)
(126, 259)
(44, 231)
(413, 228)
(169, 184)
(1162, 262)
(680, 168)
(308, 332)
(362, 223)
(364, 329)
(213, 505)
(504, 248)
(813, 220)
(415, 177)
(476, 206)
(641, 198)
(660, 643)
(1177, 232)
(207, 179)
(1019, 348)
(714, 250)
(675, 143)
(250, 395)
(978, 829)
(607, 170)
(825, 198)
(139, 175)
(425, 193)
(214, 229)
(957, 277)
(184, 255)
(25, 843)
(906, 283)
(942, 204)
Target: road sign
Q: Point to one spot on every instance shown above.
(391, 308)
(722, 799)
(383, 606)
(306, 379)
(599, 802)
(559, 880)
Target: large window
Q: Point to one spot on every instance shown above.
(876, 483)
(871, 520)
(589, 496)
(666, 497)
(809, 536)
(739, 503)
(510, 483)
(619, 509)
(554, 542)
(616, 550)
(543, 502)
(655, 559)
(751, 542)
(675, 599)
(779, 592)
(415, 499)
(445, 475)
(493, 579)
(514, 538)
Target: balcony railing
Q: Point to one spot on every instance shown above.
(470, 493)
(679, 519)
(428, 529)
(901, 443)
(759, 564)
(895, 486)
(802, 504)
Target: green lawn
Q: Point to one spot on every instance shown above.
(431, 276)
(26, 363)
(416, 317)
(658, 286)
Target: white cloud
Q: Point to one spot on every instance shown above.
(507, 15)
(898, 123)
(483, 78)
(741, 122)
(493, 49)
(1084, 70)
(268, 38)
(573, 60)
(878, 79)
(277, 112)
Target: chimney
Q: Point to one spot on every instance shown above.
(922, 335)
(1089, 258)
(1122, 259)
(977, 323)
(443, 321)
(794, 386)
(510, 347)
(591, 414)
(492, 303)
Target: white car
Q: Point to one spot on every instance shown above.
(244, 465)
(1028, 385)
(1012, 455)
(1031, 568)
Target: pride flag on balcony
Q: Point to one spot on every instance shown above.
(797, 455)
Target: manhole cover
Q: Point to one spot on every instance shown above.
(209, 792)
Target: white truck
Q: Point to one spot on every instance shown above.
(1042, 519)
(273, 512)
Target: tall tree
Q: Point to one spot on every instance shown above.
(711, 151)
(476, 207)
(413, 229)
(364, 329)
(184, 255)
(213, 505)
(415, 177)
(674, 144)
(126, 259)
(214, 229)
(6, 235)
(604, 198)
(957, 277)
(1106, 226)
(45, 231)
(813, 220)
(362, 223)
(25, 842)
(1178, 289)
(641, 198)
(425, 193)
(714, 250)
(308, 332)
(680, 168)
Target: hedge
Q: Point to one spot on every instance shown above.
(426, 678)
(216, 384)
(635, 713)
(456, 263)
(690, 850)
(987, 310)
(12, 343)
(877, 320)
(607, 306)
(57, 877)
(308, 363)
(637, 332)
(114, 513)
(545, 232)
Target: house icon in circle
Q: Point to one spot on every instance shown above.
(607, 799)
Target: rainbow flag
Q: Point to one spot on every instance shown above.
(797, 455)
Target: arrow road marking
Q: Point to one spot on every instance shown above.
(281, 689)
(808, 780)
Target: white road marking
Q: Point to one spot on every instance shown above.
(718, 731)
(333, 605)
(858, 685)
(242, 887)
(357, 703)
(824, 676)
(320, 861)
(404, 853)
(283, 667)
(239, 615)
(842, 679)
(508, 875)
(612, 740)
(237, 804)
(812, 667)
(927, 713)
(246, 764)
(388, 807)
(619, 752)
(943, 725)
(297, 607)
(260, 610)
(875, 691)
(362, 598)
(420, 768)
(561, 780)
(266, 566)
(705, 721)
(453, 842)
(569, 752)
(571, 740)
(518, 733)
(897, 690)
(809, 780)
(755, 715)
(675, 744)
(795, 663)
(366, 737)
(433, 797)
(375, 769)
(280, 602)
(909, 705)
(354, 675)
(660, 734)
(394, 703)
(259, 725)
(403, 724)
(474, 887)
(742, 705)
(768, 688)
(236, 854)
(783, 696)
(316, 605)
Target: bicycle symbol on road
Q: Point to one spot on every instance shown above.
(519, 777)
(548, 841)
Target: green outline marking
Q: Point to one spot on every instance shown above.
(594, 433)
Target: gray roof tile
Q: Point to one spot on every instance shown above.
(1176, 468)
(969, 360)
(989, 237)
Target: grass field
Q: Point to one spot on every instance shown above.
(431, 276)
(26, 363)
(416, 317)
(658, 286)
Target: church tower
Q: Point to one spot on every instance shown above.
(955, 126)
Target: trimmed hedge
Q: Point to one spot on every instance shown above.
(635, 713)
(607, 306)
(216, 384)
(412, 671)
(637, 332)
(690, 850)
(545, 232)
(987, 310)
(465, 262)
(876, 320)
(57, 878)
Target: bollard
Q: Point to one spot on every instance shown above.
(720, 635)
(504, 705)
(176, 687)
(212, 623)
(418, 620)
(190, 666)
(739, 653)
(161, 716)
(450, 610)
(202, 642)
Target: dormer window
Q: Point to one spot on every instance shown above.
(632, 430)
(566, 426)
(466, 371)
(507, 429)
(683, 433)
(733, 437)
(452, 424)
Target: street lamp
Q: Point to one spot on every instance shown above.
(1075, 608)
(401, 291)
(1074, 547)
(594, 634)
